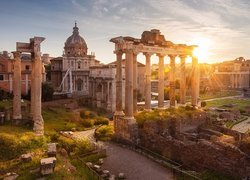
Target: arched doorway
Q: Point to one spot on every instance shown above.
(79, 84)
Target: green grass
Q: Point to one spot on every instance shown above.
(240, 104)
(219, 94)
(211, 175)
(60, 119)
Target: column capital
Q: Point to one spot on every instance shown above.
(16, 54)
(172, 56)
(118, 52)
(147, 54)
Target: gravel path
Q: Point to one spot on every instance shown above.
(243, 126)
(133, 165)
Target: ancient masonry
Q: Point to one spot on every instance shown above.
(151, 42)
(36, 90)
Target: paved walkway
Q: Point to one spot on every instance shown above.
(227, 97)
(132, 164)
(243, 126)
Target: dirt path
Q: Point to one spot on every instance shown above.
(243, 126)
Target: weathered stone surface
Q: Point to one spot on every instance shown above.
(26, 157)
(51, 150)
(218, 155)
(227, 116)
(10, 176)
(47, 165)
(121, 176)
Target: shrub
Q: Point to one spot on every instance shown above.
(13, 146)
(203, 104)
(83, 146)
(47, 91)
(68, 144)
(87, 114)
(88, 123)
(101, 121)
(104, 132)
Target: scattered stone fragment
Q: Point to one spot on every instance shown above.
(100, 161)
(121, 176)
(26, 157)
(11, 176)
(89, 164)
(51, 150)
(112, 177)
(48, 165)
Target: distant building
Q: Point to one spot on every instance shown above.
(6, 72)
(78, 74)
(232, 74)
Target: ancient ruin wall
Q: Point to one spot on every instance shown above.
(199, 154)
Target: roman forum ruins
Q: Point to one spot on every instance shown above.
(36, 90)
(151, 42)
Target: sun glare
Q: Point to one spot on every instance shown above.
(202, 51)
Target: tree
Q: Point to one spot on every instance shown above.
(47, 91)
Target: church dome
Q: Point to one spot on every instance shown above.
(75, 45)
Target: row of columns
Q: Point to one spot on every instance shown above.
(131, 82)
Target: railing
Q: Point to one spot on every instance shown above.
(178, 172)
(94, 175)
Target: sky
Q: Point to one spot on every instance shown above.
(221, 27)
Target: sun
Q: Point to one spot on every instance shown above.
(202, 52)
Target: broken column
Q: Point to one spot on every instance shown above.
(17, 83)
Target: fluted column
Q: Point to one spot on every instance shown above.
(183, 80)
(129, 84)
(17, 114)
(195, 81)
(172, 81)
(135, 83)
(161, 81)
(148, 82)
(37, 111)
(119, 88)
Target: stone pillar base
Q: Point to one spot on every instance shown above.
(17, 120)
(126, 129)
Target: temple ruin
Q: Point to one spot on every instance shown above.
(151, 42)
(32, 47)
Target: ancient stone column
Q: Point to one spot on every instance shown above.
(32, 84)
(172, 81)
(183, 80)
(17, 85)
(129, 85)
(135, 83)
(148, 83)
(119, 91)
(37, 111)
(195, 82)
(161, 81)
